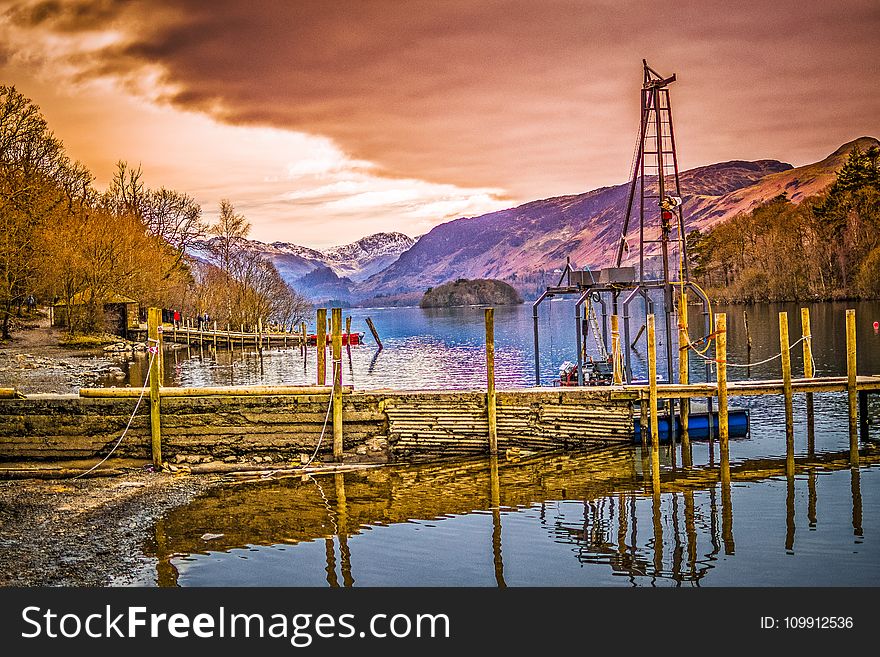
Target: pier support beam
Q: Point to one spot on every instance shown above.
(786, 385)
(807, 336)
(721, 361)
(321, 344)
(851, 385)
(154, 321)
(652, 404)
(684, 404)
(336, 340)
(490, 381)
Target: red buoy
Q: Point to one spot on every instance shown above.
(876, 327)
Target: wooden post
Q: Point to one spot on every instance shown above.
(336, 333)
(187, 332)
(348, 330)
(258, 333)
(490, 381)
(374, 332)
(154, 320)
(684, 404)
(268, 335)
(160, 357)
(652, 386)
(851, 385)
(748, 334)
(616, 374)
(321, 345)
(721, 361)
(215, 335)
(786, 382)
(228, 338)
(807, 335)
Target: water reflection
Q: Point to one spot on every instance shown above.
(565, 519)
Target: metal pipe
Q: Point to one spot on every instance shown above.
(579, 331)
(535, 305)
(628, 300)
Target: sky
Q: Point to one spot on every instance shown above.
(324, 121)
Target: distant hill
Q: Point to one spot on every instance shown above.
(469, 293)
(524, 245)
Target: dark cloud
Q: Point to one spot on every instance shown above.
(538, 98)
(66, 15)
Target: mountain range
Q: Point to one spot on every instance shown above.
(525, 244)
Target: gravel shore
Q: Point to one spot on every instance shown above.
(83, 532)
(87, 532)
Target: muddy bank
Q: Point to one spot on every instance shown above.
(90, 531)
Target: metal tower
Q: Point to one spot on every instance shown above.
(655, 174)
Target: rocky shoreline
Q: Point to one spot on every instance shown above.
(34, 361)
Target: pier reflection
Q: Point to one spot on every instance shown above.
(625, 523)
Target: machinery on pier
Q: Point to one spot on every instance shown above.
(653, 273)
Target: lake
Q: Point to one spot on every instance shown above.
(570, 519)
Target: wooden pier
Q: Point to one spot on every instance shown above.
(218, 338)
(333, 419)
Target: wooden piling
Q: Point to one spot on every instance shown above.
(490, 381)
(748, 333)
(336, 339)
(215, 335)
(684, 404)
(154, 320)
(807, 336)
(786, 382)
(851, 383)
(374, 332)
(321, 345)
(652, 385)
(721, 362)
(161, 355)
(616, 374)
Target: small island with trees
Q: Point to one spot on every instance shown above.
(464, 292)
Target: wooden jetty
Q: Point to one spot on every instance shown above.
(334, 419)
(220, 338)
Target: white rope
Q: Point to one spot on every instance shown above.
(128, 425)
(336, 363)
(760, 362)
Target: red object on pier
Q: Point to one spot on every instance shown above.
(347, 338)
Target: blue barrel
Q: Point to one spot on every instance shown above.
(698, 425)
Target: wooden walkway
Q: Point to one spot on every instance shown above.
(222, 339)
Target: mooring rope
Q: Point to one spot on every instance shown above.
(336, 363)
(760, 362)
(133, 413)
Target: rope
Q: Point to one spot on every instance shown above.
(760, 362)
(336, 363)
(128, 425)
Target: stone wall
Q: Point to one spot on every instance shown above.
(409, 424)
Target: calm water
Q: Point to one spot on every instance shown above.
(573, 519)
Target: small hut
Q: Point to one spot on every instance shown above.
(118, 312)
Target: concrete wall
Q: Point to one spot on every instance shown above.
(411, 424)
